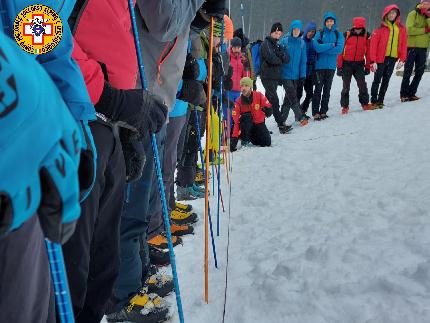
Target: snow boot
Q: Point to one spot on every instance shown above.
(160, 241)
(413, 98)
(159, 283)
(158, 257)
(182, 218)
(144, 307)
(368, 107)
(323, 116)
(345, 110)
(304, 121)
(183, 207)
(188, 194)
(284, 129)
(200, 177)
(199, 188)
(317, 117)
(181, 230)
(404, 99)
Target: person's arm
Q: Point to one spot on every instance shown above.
(374, 42)
(367, 55)
(269, 55)
(410, 25)
(338, 49)
(236, 119)
(321, 48)
(403, 46)
(303, 61)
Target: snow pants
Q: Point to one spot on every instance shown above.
(308, 87)
(321, 98)
(417, 58)
(26, 289)
(92, 253)
(291, 100)
(356, 70)
(143, 203)
(382, 77)
(257, 134)
(271, 88)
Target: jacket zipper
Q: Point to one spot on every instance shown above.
(392, 41)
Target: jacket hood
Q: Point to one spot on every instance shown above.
(310, 26)
(330, 15)
(388, 9)
(359, 22)
(296, 24)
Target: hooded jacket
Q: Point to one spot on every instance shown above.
(296, 48)
(310, 50)
(272, 58)
(380, 38)
(416, 24)
(236, 63)
(357, 45)
(326, 45)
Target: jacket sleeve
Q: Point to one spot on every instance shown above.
(269, 55)
(265, 102)
(91, 71)
(403, 45)
(410, 26)
(165, 19)
(303, 61)
(66, 74)
(339, 61)
(236, 119)
(338, 49)
(367, 55)
(321, 48)
(374, 41)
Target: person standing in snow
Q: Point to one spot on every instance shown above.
(293, 73)
(418, 28)
(387, 46)
(236, 63)
(250, 111)
(272, 58)
(354, 61)
(308, 84)
(328, 44)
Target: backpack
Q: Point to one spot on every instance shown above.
(255, 57)
(321, 31)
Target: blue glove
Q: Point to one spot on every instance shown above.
(40, 145)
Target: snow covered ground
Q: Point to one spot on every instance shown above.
(331, 224)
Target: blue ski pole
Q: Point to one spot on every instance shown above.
(158, 169)
(59, 278)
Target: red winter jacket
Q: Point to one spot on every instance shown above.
(102, 35)
(357, 46)
(259, 101)
(380, 37)
(236, 63)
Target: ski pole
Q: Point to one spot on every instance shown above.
(158, 169)
(59, 278)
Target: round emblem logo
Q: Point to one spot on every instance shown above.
(257, 106)
(37, 29)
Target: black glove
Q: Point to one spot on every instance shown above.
(267, 111)
(193, 92)
(137, 108)
(214, 8)
(339, 72)
(233, 144)
(191, 68)
(134, 154)
(366, 71)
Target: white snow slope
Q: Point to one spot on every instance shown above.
(330, 224)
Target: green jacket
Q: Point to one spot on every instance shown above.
(416, 24)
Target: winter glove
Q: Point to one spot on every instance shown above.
(267, 111)
(191, 68)
(137, 108)
(193, 92)
(339, 72)
(366, 71)
(233, 144)
(214, 8)
(373, 67)
(40, 146)
(134, 154)
(88, 161)
(400, 65)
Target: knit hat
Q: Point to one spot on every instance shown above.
(236, 42)
(246, 81)
(277, 26)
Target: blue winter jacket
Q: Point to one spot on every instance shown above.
(327, 47)
(296, 48)
(180, 108)
(310, 50)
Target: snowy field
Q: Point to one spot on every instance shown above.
(330, 225)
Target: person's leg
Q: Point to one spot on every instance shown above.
(260, 135)
(289, 99)
(309, 89)
(25, 280)
(360, 78)
(316, 98)
(376, 82)
(346, 78)
(420, 66)
(388, 71)
(407, 73)
(295, 106)
(328, 81)
(245, 126)
(271, 87)
(77, 251)
(104, 252)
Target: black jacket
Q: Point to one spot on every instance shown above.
(272, 58)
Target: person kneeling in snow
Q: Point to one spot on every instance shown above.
(250, 111)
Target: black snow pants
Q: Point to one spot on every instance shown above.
(356, 70)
